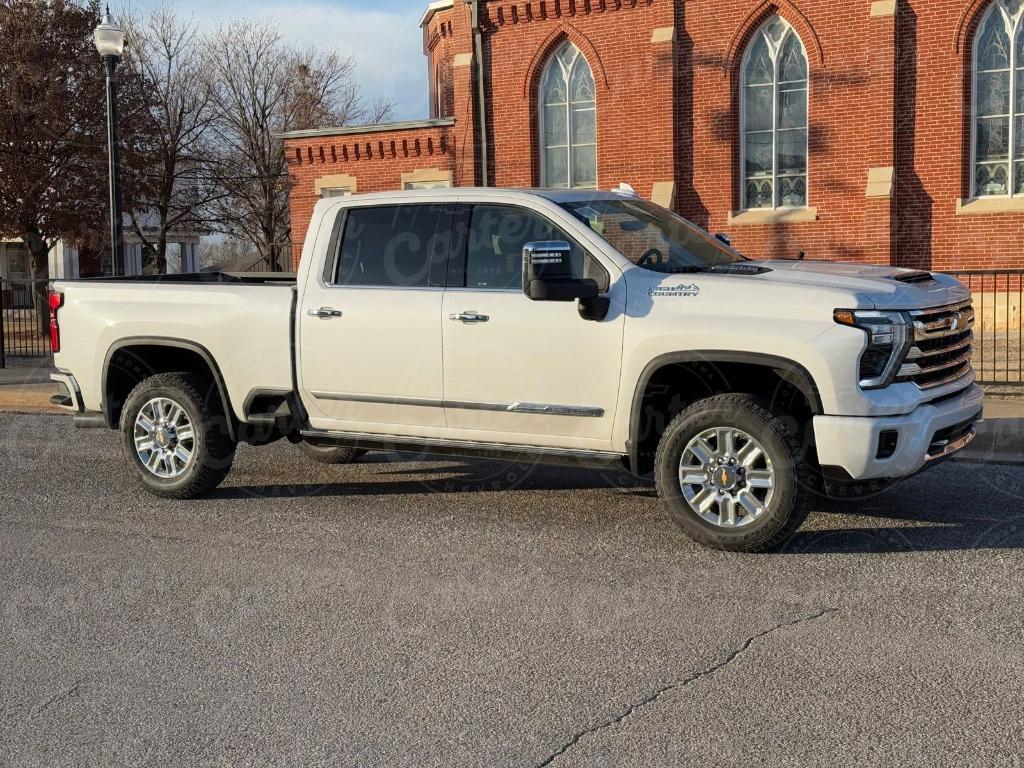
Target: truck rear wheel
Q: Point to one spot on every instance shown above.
(728, 472)
(174, 431)
(331, 454)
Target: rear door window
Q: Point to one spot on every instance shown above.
(395, 246)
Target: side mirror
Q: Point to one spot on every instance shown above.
(724, 238)
(547, 273)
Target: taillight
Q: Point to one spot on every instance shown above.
(56, 302)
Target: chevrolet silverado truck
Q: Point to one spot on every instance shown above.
(580, 327)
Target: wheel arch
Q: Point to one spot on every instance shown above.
(149, 355)
(717, 368)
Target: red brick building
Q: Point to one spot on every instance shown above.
(888, 131)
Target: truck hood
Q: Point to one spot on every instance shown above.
(878, 287)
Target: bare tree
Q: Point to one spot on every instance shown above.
(175, 190)
(263, 88)
(227, 255)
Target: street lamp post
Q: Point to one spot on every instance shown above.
(109, 40)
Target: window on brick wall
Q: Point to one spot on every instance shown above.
(773, 118)
(999, 101)
(438, 184)
(568, 121)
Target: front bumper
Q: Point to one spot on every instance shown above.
(849, 446)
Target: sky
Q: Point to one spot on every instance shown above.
(383, 36)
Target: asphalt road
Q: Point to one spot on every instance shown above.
(455, 613)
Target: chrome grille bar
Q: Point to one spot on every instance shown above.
(917, 354)
(942, 346)
(913, 369)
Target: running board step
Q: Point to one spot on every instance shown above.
(527, 454)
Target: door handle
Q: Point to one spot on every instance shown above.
(469, 317)
(324, 313)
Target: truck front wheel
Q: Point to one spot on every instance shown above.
(729, 474)
(174, 432)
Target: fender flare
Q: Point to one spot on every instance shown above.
(165, 341)
(789, 370)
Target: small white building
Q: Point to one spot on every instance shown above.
(68, 262)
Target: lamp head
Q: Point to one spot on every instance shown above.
(109, 37)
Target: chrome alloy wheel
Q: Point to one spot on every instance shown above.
(726, 477)
(164, 438)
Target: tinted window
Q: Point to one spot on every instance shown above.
(402, 246)
(651, 236)
(497, 234)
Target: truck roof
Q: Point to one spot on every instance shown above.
(450, 193)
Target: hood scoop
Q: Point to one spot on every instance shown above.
(914, 277)
(740, 268)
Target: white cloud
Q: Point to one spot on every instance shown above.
(386, 44)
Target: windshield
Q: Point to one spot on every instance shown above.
(653, 237)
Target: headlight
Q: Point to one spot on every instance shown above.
(889, 339)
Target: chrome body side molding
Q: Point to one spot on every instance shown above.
(544, 409)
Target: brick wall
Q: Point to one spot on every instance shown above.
(935, 145)
(377, 160)
(889, 88)
(633, 79)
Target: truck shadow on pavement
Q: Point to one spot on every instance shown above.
(922, 515)
(394, 474)
(938, 511)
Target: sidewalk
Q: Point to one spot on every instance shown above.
(1000, 438)
(27, 389)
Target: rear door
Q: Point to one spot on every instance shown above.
(370, 325)
(520, 371)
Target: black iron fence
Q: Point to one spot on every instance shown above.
(24, 322)
(998, 331)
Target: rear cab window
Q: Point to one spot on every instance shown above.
(392, 246)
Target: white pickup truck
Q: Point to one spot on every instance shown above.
(555, 326)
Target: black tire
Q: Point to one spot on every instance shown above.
(789, 504)
(213, 450)
(331, 454)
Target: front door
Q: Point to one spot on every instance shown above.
(370, 326)
(519, 371)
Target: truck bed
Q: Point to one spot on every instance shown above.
(241, 321)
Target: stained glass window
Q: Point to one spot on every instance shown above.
(774, 118)
(999, 101)
(568, 115)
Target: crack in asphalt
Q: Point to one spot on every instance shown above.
(59, 697)
(652, 697)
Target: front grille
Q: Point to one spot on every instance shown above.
(942, 346)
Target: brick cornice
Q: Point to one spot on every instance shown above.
(499, 15)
